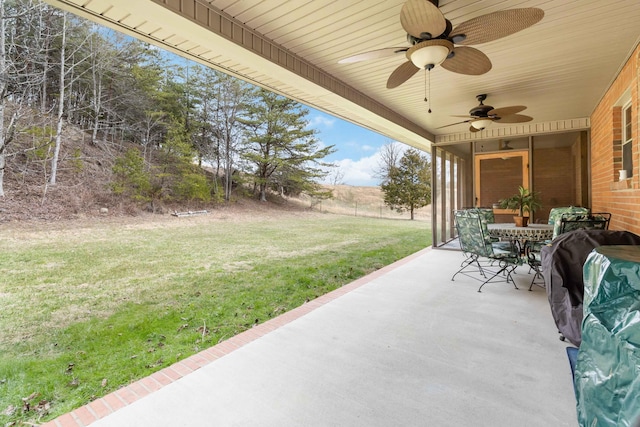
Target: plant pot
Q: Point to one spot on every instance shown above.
(521, 221)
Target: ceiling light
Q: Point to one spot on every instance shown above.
(480, 124)
(429, 53)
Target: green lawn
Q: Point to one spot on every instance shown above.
(85, 310)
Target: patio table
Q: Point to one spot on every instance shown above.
(533, 232)
(525, 239)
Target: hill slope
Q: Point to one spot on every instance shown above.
(85, 171)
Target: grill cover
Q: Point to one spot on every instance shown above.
(607, 376)
(562, 263)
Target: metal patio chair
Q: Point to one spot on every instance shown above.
(486, 261)
(534, 259)
(555, 216)
(594, 221)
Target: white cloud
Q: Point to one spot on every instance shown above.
(361, 172)
(322, 121)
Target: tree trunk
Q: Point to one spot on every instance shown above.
(56, 151)
(3, 88)
(228, 174)
(97, 102)
(263, 192)
(45, 80)
(46, 43)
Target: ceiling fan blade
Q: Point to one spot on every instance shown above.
(401, 74)
(493, 26)
(506, 111)
(467, 60)
(421, 16)
(453, 124)
(515, 118)
(374, 54)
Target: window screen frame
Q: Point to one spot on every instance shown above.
(627, 139)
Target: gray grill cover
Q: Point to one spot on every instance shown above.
(562, 264)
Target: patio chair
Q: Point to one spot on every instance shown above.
(595, 221)
(568, 222)
(555, 216)
(487, 216)
(500, 258)
(534, 259)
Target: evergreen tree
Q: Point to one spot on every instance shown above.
(280, 148)
(409, 183)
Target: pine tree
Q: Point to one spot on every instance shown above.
(284, 154)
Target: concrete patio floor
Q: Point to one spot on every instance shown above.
(404, 346)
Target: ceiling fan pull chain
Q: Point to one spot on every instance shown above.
(425, 85)
(425, 88)
(429, 71)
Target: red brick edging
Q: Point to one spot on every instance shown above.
(101, 407)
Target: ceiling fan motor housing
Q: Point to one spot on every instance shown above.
(480, 111)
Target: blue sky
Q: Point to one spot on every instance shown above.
(357, 149)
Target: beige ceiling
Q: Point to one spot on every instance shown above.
(559, 68)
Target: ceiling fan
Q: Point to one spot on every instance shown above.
(433, 38)
(483, 115)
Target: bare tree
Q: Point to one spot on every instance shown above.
(103, 59)
(66, 77)
(4, 80)
(61, 75)
(390, 155)
(336, 175)
(223, 102)
(19, 76)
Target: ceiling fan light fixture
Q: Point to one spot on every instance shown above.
(429, 53)
(480, 124)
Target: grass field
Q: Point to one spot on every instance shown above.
(89, 307)
(361, 201)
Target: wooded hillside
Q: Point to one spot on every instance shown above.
(89, 117)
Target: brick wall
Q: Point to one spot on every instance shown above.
(608, 194)
(622, 199)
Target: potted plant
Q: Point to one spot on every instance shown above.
(524, 201)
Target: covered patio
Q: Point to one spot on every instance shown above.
(403, 346)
